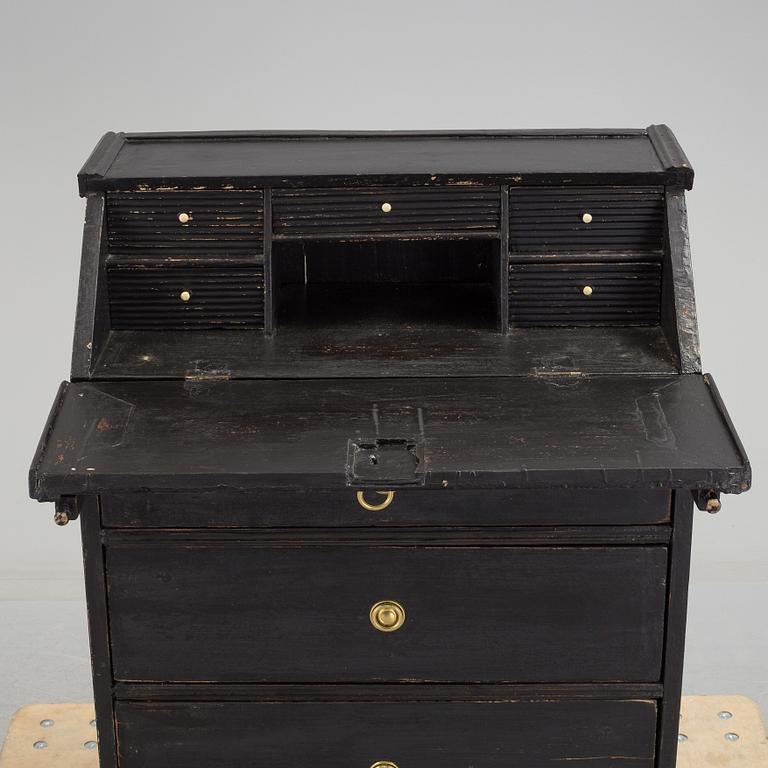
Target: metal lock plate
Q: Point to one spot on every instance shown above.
(385, 462)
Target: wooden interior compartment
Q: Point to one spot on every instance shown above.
(587, 219)
(386, 211)
(591, 290)
(387, 286)
(185, 223)
(585, 256)
(228, 611)
(161, 296)
(358, 734)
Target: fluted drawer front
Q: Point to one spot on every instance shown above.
(567, 293)
(185, 223)
(563, 219)
(383, 211)
(182, 297)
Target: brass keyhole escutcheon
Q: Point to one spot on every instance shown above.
(389, 497)
(384, 764)
(387, 615)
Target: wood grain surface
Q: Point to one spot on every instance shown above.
(622, 431)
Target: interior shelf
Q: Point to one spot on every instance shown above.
(368, 351)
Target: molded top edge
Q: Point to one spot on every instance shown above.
(130, 160)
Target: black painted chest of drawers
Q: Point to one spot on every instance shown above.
(386, 448)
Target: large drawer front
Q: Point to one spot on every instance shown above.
(523, 734)
(239, 612)
(385, 211)
(185, 223)
(563, 219)
(323, 508)
(184, 297)
(595, 293)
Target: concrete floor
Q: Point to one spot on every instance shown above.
(44, 645)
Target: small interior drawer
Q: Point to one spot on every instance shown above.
(431, 734)
(185, 296)
(550, 293)
(564, 219)
(382, 211)
(407, 507)
(186, 223)
(240, 611)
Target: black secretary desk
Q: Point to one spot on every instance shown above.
(386, 447)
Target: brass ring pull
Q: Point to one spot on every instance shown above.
(389, 497)
(387, 615)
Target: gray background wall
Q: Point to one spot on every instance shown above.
(71, 71)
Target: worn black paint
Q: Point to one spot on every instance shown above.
(594, 734)
(125, 161)
(98, 621)
(359, 350)
(674, 639)
(543, 444)
(322, 509)
(300, 614)
(621, 432)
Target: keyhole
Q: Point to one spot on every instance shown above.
(374, 460)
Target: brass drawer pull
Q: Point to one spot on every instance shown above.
(384, 764)
(387, 615)
(185, 295)
(386, 207)
(184, 217)
(388, 499)
(587, 290)
(587, 218)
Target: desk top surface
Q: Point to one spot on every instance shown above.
(133, 160)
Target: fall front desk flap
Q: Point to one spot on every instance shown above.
(589, 432)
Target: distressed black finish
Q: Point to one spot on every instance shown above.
(144, 224)
(549, 220)
(387, 350)
(415, 212)
(454, 734)
(324, 508)
(129, 161)
(590, 432)
(505, 615)
(146, 297)
(551, 293)
(459, 371)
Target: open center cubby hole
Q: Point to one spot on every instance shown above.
(403, 285)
